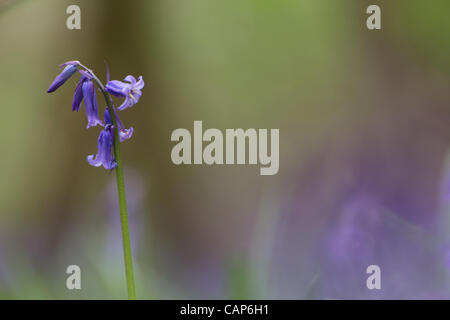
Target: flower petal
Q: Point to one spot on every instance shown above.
(140, 84)
(125, 134)
(78, 95)
(104, 154)
(90, 101)
(125, 104)
(107, 117)
(130, 79)
(93, 161)
(118, 88)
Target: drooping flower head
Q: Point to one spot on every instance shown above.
(131, 91)
(105, 145)
(90, 101)
(68, 71)
(78, 95)
(85, 91)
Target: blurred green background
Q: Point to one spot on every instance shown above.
(359, 112)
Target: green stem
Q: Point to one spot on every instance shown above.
(121, 192)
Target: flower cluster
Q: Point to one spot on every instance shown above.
(85, 91)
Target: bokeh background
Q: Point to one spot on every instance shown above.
(364, 150)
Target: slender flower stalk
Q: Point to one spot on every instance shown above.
(113, 124)
(121, 192)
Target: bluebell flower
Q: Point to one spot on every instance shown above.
(131, 91)
(68, 71)
(78, 95)
(104, 154)
(90, 101)
(86, 91)
(124, 134)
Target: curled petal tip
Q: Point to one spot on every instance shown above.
(130, 79)
(93, 161)
(140, 84)
(94, 123)
(125, 134)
